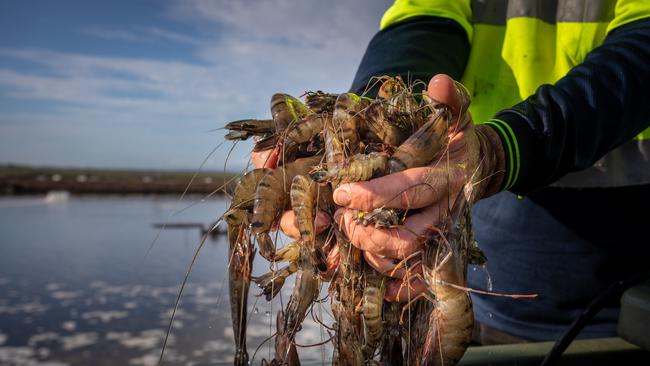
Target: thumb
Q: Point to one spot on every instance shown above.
(445, 90)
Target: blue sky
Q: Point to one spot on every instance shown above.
(140, 84)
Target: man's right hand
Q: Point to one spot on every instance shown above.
(474, 154)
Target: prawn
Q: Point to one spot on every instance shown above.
(372, 303)
(285, 111)
(242, 254)
(304, 292)
(303, 200)
(357, 168)
(270, 199)
(452, 320)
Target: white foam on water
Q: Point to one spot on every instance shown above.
(79, 340)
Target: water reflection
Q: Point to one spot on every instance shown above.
(213, 230)
(76, 288)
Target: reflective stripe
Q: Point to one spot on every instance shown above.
(585, 10)
(629, 164)
(512, 153)
(496, 12)
(491, 12)
(545, 10)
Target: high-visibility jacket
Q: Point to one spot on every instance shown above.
(563, 82)
(518, 46)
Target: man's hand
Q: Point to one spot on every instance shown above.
(265, 159)
(474, 154)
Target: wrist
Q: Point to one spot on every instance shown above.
(491, 160)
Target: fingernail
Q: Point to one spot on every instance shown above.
(443, 90)
(342, 196)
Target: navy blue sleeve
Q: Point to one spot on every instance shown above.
(597, 106)
(416, 49)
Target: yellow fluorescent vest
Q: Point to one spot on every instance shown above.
(518, 45)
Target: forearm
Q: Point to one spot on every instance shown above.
(597, 106)
(416, 49)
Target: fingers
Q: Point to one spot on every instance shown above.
(265, 159)
(398, 242)
(289, 228)
(445, 90)
(409, 189)
(392, 267)
(403, 291)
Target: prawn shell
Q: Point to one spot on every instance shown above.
(320, 102)
(272, 191)
(373, 302)
(378, 122)
(305, 291)
(347, 118)
(451, 321)
(306, 129)
(357, 168)
(244, 194)
(239, 276)
(269, 198)
(303, 201)
(286, 109)
(423, 145)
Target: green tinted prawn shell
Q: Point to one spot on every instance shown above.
(286, 110)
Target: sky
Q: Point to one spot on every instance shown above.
(144, 84)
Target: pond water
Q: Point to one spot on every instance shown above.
(78, 286)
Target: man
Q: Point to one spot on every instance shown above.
(555, 87)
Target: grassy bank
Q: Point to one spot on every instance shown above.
(20, 179)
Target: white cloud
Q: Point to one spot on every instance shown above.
(140, 34)
(151, 112)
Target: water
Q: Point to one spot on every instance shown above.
(76, 288)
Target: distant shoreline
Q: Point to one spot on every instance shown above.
(27, 180)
